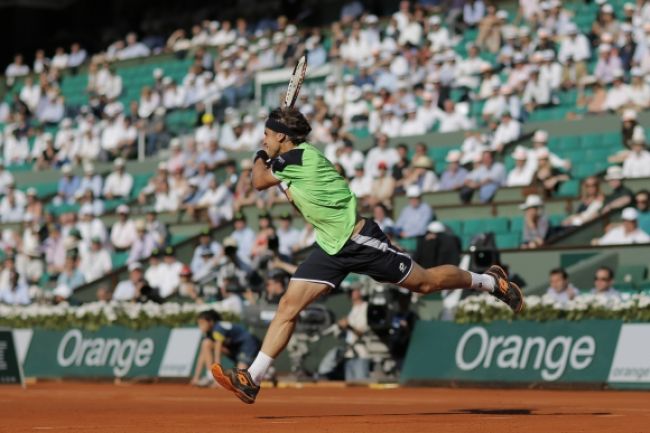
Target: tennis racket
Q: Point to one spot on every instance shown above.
(295, 82)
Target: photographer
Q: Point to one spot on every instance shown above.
(357, 361)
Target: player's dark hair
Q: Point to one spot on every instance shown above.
(209, 315)
(560, 271)
(294, 120)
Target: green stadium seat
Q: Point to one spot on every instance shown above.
(508, 240)
(570, 188)
(409, 244)
(516, 224)
(630, 274)
(455, 226)
(119, 259)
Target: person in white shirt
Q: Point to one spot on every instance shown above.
(508, 131)
(169, 273)
(575, 46)
(361, 184)
(355, 108)
(454, 118)
(18, 68)
(166, 199)
(537, 92)
(390, 123)
(6, 178)
(357, 364)
(412, 125)
(60, 59)
(96, 262)
(16, 147)
(639, 90)
(90, 226)
(560, 289)
(133, 48)
(521, 174)
(637, 162)
(208, 131)
(422, 175)
(428, 113)
(626, 233)
(218, 200)
(550, 70)
(119, 183)
(437, 35)
(123, 232)
(288, 236)
(77, 55)
(349, 158)
(540, 139)
(618, 96)
(250, 137)
(495, 105)
(149, 101)
(30, 94)
(129, 289)
(12, 205)
(380, 152)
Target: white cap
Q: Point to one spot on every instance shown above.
(413, 191)
(434, 20)
(540, 136)
(614, 173)
(63, 291)
(436, 227)
(532, 200)
(119, 162)
(608, 9)
(502, 15)
(123, 209)
(66, 169)
(157, 73)
(86, 209)
(629, 115)
(630, 214)
(453, 156)
(604, 48)
(352, 93)
(89, 167)
(135, 265)
(520, 154)
(638, 136)
(629, 6)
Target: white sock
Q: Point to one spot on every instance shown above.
(258, 368)
(482, 282)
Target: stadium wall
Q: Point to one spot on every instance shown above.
(589, 353)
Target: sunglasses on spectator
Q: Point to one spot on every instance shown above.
(602, 278)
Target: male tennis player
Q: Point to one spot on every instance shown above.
(345, 243)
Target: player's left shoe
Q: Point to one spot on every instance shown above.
(238, 381)
(506, 290)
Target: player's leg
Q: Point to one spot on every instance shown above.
(245, 383)
(446, 277)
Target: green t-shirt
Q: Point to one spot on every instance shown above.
(322, 196)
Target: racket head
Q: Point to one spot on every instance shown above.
(295, 82)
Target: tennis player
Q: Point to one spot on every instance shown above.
(345, 243)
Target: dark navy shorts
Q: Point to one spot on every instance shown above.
(369, 252)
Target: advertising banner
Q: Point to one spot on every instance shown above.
(521, 351)
(9, 366)
(631, 364)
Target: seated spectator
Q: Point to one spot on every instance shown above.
(306, 239)
(486, 177)
(536, 223)
(16, 291)
(630, 128)
(188, 288)
(213, 156)
(560, 288)
(12, 205)
(130, 289)
(509, 130)
(123, 231)
(488, 22)
(416, 216)
(217, 200)
(133, 48)
(156, 228)
(6, 178)
(643, 210)
(619, 196)
(54, 250)
(96, 262)
(205, 243)
(547, 177)
(637, 162)
(453, 178)
(119, 183)
(71, 276)
(625, 234)
(522, 173)
(618, 96)
(537, 91)
(288, 236)
(34, 206)
(91, 180)
(596, 101)
(421, 175)
(244, 238)
(383, 187)
(169, 274)
(18, 68)
(380, 153)
(608, 64)
(603, 283)
(639, 91)
(575, 48)
(591, 201)
(360, 184)
(166, 200)
(454, 118)
(143, 244)
(90, 226)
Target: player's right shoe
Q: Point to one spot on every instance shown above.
(238, 381)
(506, 290)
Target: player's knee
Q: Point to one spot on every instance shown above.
(288, 309)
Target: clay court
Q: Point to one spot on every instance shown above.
(162, 408)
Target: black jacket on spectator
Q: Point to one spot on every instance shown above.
(439, 249)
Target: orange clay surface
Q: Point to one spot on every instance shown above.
(161, 408)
